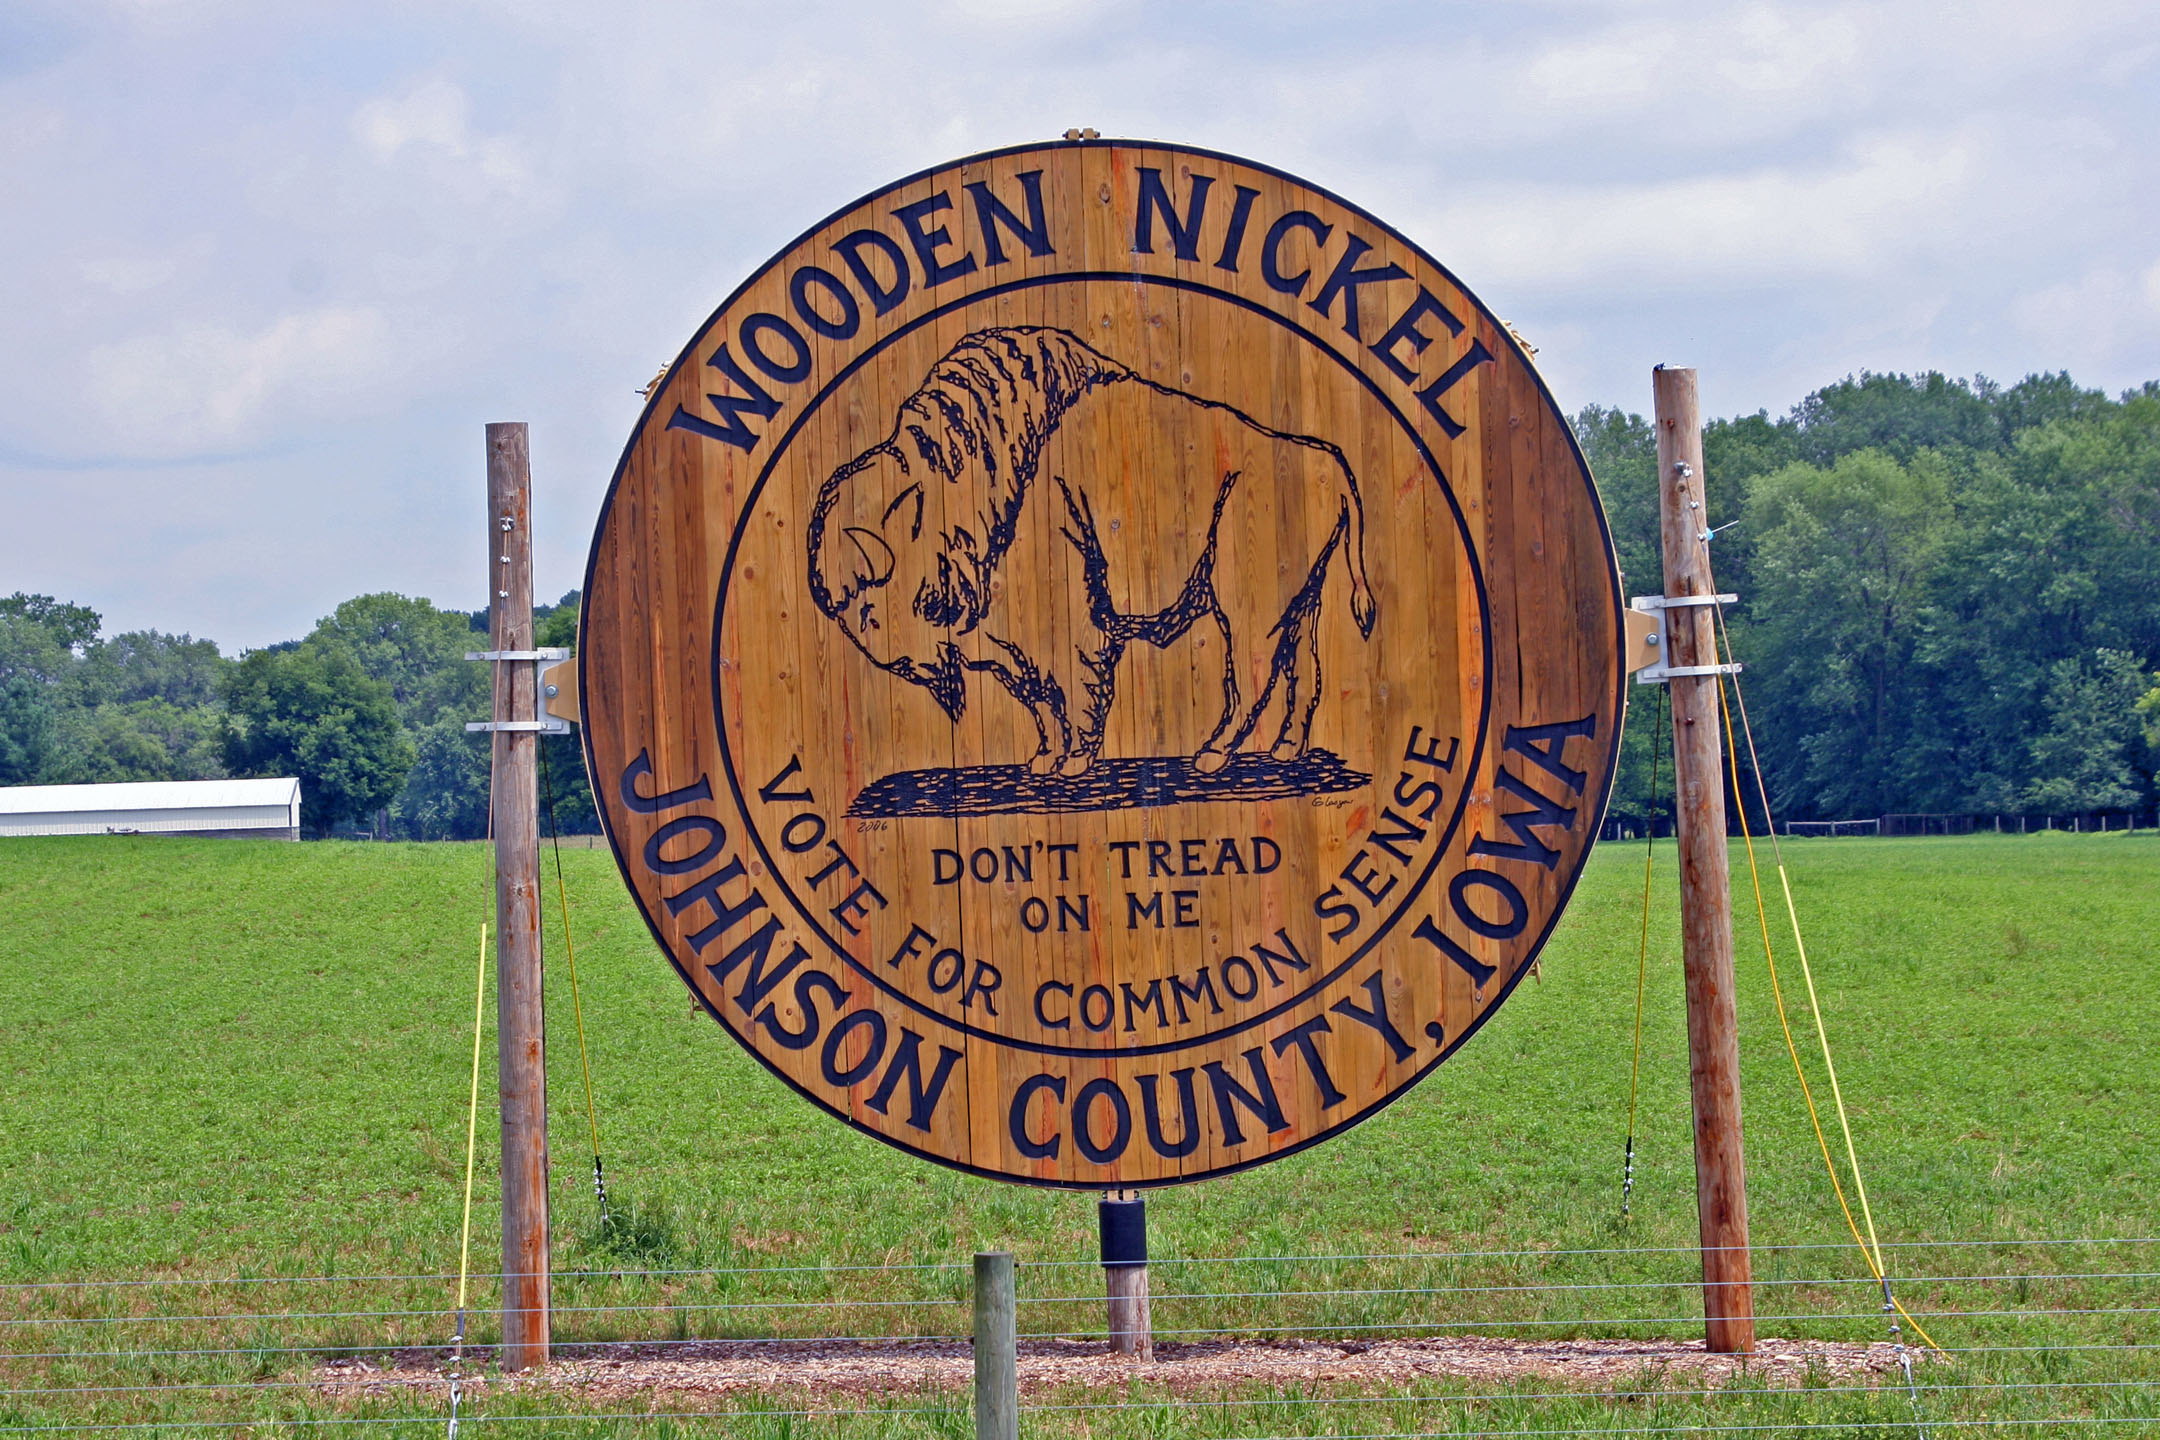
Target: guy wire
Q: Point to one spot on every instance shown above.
(472, 1124)
(472, 1127)
(1870, 1249)
(456, 1366)
(577, 1004)
(1642, 964)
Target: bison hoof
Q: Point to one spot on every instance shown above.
(1285, 752)
(1042, 764)
(1075, 765)
(1207, 762)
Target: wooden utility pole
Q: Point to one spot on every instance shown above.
(521, 1039)
(1705, 879)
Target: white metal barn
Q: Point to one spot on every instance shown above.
(263, 808)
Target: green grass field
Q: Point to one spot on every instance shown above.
(231, 1058)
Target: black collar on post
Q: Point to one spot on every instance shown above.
(1123, 1225)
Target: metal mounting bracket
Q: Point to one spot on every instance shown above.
(1662, 670)
(549, 652)
(552, 720)
(549, 726)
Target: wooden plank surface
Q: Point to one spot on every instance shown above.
(913, 624)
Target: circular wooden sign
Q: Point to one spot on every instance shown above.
(1101, 664)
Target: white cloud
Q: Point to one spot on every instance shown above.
(130, 274)
(1760, 226)
(436, 116)
(174, 392)
(1021, 11)
(24, 128)
(2103, 319)
(1760, 52)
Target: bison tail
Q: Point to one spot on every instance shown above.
(1363, 607)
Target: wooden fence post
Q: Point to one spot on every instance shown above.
(1705, 878)
(997, 1349)
(521, 1040)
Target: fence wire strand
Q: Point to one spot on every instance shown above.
(447, 1277)
(334, 1384)
(295, 1375)
(642, 1416)
(679, 1307)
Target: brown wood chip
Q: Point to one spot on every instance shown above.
(824, 1373)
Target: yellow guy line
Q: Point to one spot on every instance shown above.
(1642, 959)
(577, 1005)
(472, 1118)
(1870, 1249)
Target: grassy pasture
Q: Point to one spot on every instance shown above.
(224, 1059)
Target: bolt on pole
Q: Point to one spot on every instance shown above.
(1705, 870)
(521, 1038)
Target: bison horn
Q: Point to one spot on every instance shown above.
(877, 556)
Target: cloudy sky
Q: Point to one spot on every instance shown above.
(269, 267)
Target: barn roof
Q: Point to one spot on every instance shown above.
(148, 795)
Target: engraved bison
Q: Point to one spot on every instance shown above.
(1039, 508)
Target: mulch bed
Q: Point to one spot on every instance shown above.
(823, 1374)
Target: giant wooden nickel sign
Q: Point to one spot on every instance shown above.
(1101, 664)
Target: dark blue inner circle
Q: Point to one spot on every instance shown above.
(1323, 978)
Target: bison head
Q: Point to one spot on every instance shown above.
(906, 536)
(888, 583)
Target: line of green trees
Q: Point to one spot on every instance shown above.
(1949, 593)
(368, 709)
(1950, 604)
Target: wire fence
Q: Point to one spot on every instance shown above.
(2092, 822)
(2039, 1333)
